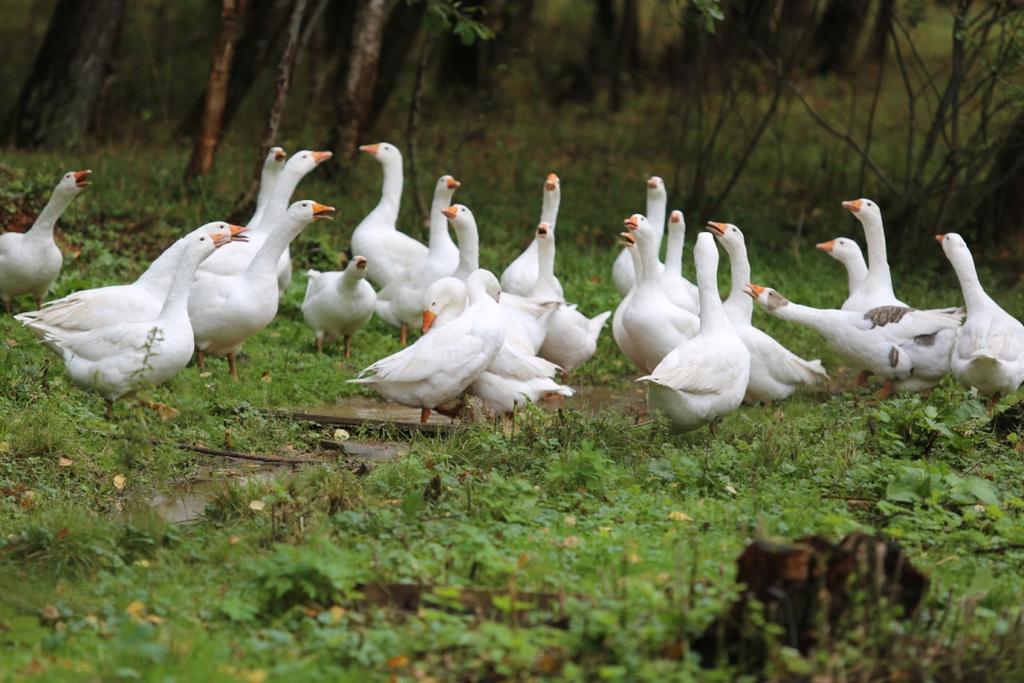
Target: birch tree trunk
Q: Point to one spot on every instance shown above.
(208, 137)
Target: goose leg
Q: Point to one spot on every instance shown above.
(201, 360)
(39, 301)
(862, 378)
(886, 390)
(993, 402)
(110, 409)
(232, 367)
(713, 427)
(319, 343)
(403, 334)
(7, 306)
(424, 415)
(348, 348)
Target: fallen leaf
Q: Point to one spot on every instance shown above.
(120, 481)
(336, 613)
(65, 462)
(10, 342)
(205, 374)
(677, 516)
(50, 613)
(232, 540)
(571, 542)
(164, 411)
(5, 447)
(153, 619)
(257, 505)
(633, 558)
(569, 520)
(136, 609)
(731, 489)
(398, 662)
(341, 435)
(256, 676)
(265, 377)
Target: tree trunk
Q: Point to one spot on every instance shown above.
(283, 85)
(626, 55)
(208, 137)
(1004, 202)
(356, 97)
(59, 98)
(837, 34)
(265, 22)
(880, 30)
(400, 36)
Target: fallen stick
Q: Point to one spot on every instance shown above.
(422, 428)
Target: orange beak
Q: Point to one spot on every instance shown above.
(369, 149)
(321, 157)
(852, 205)
(754, 290)
(717, 228)
(428, 319)
(542, 230)
(632, 222)
(652, 183)
(676, 217)
(361, 262)
(453, 183)
(826, 247)
(280, 154)
(238, 233)
(939, 238)
(551, 183)
(627, 239)
(450, 212)
(82, 178)
(322, 212)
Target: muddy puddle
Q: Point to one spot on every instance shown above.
(186, 501)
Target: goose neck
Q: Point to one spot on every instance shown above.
(739, 304)
(47, 219)
(274, 245)
(967, 273)
(712, 313)
(549, 207)
(878, 263)
(674, 253)
(469, 250)
(160, 274)
(439, 235)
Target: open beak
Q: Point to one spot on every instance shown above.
(453, 183)
(361, 262)
(322, 212)
(627, 239)
(450, 212)
(82, 178)
(652, 183)
(542, 230)
(676, 217)
(551, 183)
(279, 154)
(369, 149)
(717, 228)
(238, 233)
(753, 290)
(321, 157)
(428, 319)
(631, 222)
(939, 238)
(826, 247)
(852, 205)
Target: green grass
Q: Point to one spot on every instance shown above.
(94, 586)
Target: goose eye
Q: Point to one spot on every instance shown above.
(202, 239)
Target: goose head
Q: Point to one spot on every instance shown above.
(460, 217)
(276, 156)
(952, 244)
(637, 223)
(864, 209)
(552, 183)
(544, 230)
(73, 182)
(767, 297)
(357, 266)
(656, 188)
(841, 249)
(384, 152)
(444, 299)
(307, 211)
(728, 234)
(484, 281)
(204, 240)
(676, 221)
(305, 161)
(445, 187)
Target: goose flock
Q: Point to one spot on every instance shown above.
(511, 340)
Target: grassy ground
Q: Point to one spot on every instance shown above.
(639, 530)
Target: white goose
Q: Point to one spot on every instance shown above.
(620, 334)
(521, 275)
(117, 359)
(136, 302)
(377, 237)
(989, 350)
(526, 318)
(654, 324)
(235, 258)
(679, 290)
(515, 376)
(273, 163)
(400, 303)
(571, 337)
(657, 204)
(886, 340)
(704, 377)
(848, 253)
(442, 363)
(876, 288)
(31, 261)
(338, 303)
(228, 309)
(775, 371)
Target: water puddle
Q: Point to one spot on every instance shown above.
(186, 501)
